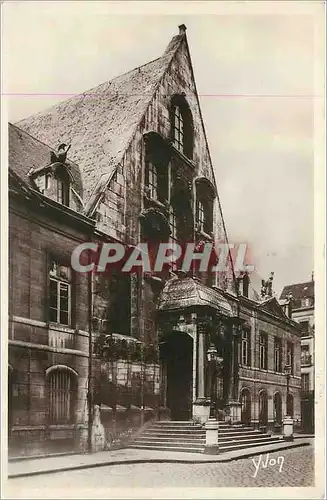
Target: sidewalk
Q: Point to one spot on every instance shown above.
(46, 465)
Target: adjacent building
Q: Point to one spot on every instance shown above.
(124, 348)
(300, 299)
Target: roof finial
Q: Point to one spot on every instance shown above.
(182, 29)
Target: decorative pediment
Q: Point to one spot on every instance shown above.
(272, 306)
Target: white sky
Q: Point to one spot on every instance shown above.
(254, 74)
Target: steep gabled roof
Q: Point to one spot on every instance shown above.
(100, 123)
(299, 290)
(27, 152)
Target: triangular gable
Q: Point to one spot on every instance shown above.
(273, 307)
(100, 123)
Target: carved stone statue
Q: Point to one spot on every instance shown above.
(266, 286)
(61, 155)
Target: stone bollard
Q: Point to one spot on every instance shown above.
(211, 428)
(98, 432)
(288, 429)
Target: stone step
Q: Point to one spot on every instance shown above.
(199, 432)
(163, 439)
(238, 446)
(177, 427)
(228, 439)
(178, 432)
(166, 448)
(185, 436)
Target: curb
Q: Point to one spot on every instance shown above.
(154, 460)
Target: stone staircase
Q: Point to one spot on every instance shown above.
(189, 437)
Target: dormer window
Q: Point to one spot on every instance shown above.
(182, 126)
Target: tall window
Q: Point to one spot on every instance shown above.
(60, 293)
(290, 356)
(178, 129)
(278, 355)
(182, 126)
(47, 181)
(245, 348)
(61, 386)
(173, 223)
(305, 381)
(153, 181)
(263, 351)
(63, 190)
(201, 216)
(205, 195)
(119, 310)
(304, 325)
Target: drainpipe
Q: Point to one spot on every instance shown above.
(90, 364)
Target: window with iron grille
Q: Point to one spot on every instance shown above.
(290, 356)
(263, 351)
(60, 294)
(278, 355)
(61, 387)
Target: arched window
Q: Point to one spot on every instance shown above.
(182, 126)
(62, 386)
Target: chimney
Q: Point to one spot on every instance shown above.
(246, 282)
(182, 29)
(289, 305)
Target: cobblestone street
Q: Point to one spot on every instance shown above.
(297, 470)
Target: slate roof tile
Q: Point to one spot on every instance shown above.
(27, 152)
(100, 123)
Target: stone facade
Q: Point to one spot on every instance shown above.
(299, 299)
(151, 333)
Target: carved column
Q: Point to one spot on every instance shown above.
(201, 405)
(233, 403)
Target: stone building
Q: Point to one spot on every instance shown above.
(137, 168)
(301, 301)
(48, 306)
